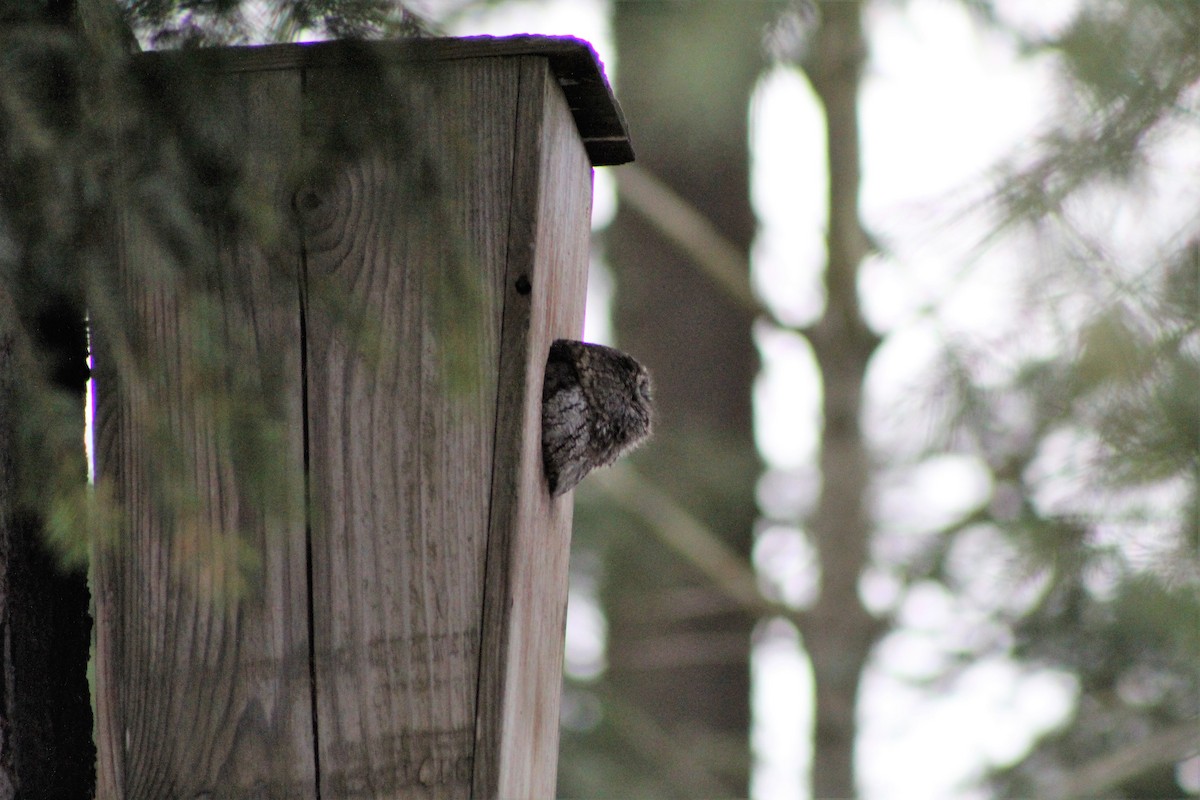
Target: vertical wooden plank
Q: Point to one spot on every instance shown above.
(203, 688)
(400, 462)
(529, 534)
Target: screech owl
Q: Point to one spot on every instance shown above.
(596, 406)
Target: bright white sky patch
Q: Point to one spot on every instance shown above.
(1038, 18)
(915, 743)
(787, 400)
(941, 101)
(787, 134)
(932, 494)
(781, 695)
(787, 564)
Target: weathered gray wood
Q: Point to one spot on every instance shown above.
(597, 114)
(405, 638)
(400, 460)
(529, 536)
(201, 684)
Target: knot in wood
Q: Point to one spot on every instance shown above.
(306, 200)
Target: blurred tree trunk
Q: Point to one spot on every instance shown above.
(679, 650)
(46, 748)
(838, 632)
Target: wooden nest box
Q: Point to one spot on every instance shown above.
(400, 633)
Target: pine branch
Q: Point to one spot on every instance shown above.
(1103, 775)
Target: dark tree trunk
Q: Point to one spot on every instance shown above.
(679, 649)
(46, 748)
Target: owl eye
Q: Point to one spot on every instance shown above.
(643, 387)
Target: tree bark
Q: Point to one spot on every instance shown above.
(838, 631)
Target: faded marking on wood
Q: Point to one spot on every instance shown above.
(529, 534)
(197, 688)
(400, 464)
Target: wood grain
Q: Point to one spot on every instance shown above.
(202, 683)
(401, 459)
(529, 534)
(599, 120)
(403, 634)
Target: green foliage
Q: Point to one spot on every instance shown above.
(1092, 431)
(99, 152)
(203, 23)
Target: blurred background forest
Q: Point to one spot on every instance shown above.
(919, 285)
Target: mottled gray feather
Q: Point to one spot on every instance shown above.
(596, 405)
